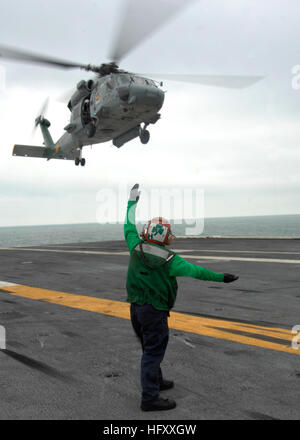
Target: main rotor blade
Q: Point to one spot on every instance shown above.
(139, 20)
(29, 57)
(226, 81)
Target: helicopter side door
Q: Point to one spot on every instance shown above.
(80, 115)
(101, 95)
(80, 107)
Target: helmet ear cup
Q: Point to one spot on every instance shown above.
(171, 238)
(143, 233)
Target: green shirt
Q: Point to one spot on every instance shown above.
(151, 276)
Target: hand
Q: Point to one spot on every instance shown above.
(228, 278)
(135, 193)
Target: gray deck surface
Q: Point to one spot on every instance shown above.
(65, 363)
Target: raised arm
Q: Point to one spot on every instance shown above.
(130, 232)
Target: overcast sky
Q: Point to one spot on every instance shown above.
(241, 147)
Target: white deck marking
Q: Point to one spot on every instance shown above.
(195, 257)
(67, 251)
(7, 284)
(179, 251)
(260, 260)
(237, 252)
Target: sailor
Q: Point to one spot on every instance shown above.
(151, 289)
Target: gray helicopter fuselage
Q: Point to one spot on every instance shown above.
(115, 104)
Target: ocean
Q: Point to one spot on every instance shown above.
(260, 226)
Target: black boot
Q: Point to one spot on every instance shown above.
(166, 385)
(158, 405)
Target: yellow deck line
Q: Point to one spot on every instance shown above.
(215, 328)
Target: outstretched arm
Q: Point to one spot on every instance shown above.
(181, 268)
(130, 232)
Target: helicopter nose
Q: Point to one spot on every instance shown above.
(148, 96)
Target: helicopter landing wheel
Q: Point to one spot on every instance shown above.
(82, 162)
(144, 136)
(77, 161)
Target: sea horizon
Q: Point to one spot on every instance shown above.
(141, 221)
(283, 225)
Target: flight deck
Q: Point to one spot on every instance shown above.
(71, 353)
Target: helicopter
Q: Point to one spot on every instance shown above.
(116, 105)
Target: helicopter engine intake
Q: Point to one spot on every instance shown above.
(84, 89)
(85, 85)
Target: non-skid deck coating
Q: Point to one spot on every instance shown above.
(71, 352)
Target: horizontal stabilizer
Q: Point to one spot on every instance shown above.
(32, 151)
(29, 151)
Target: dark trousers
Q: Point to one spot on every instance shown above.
(151, 327)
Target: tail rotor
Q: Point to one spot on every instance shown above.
(41, 115)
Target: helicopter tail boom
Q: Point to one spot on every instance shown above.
(44, 126)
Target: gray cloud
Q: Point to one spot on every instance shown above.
(242, 146)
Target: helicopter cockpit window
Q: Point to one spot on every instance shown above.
(145, 81)
(139, 80)
(124, 79)
(111, 82)
(152, 83)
